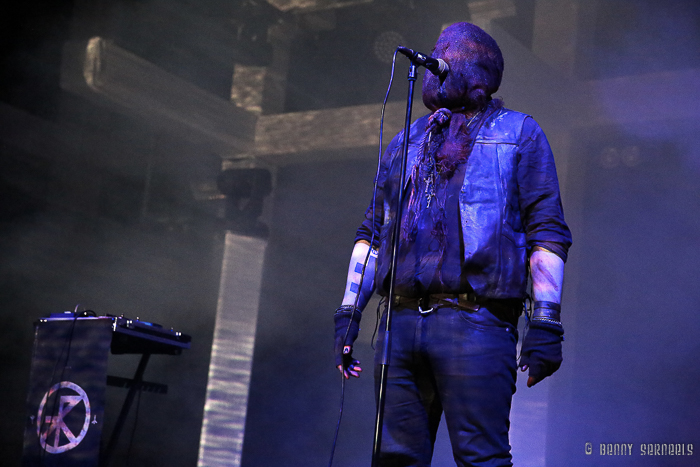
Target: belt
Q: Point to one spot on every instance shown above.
(465, 301)
(504, 309)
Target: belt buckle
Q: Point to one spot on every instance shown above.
(424, 301)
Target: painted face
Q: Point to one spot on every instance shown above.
(476, 67)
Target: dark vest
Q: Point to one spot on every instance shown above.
(495, 252)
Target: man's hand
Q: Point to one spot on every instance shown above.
(352, 366)
(531, 381)
(541, 351)
(347, 327)
(348, 315)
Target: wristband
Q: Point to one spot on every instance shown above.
(549, 312)
(347, 308)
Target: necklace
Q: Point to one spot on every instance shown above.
(432, 171)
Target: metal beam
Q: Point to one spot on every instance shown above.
(530, 85)
(312, 5)
(281, 139)
(102, 70)
(232, 352)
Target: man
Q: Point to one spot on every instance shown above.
(481, 212)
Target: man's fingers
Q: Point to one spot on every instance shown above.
(531, 381)
(352, 370)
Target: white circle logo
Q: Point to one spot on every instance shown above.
(50, 427)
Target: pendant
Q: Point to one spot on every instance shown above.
(429, 189)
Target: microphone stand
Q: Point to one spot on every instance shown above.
(386, 342)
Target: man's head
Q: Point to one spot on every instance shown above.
(476, 67)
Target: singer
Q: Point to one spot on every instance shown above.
(481, 213)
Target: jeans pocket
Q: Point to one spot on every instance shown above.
(483, 320)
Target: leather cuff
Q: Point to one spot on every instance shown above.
(549, 312)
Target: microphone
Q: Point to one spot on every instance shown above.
(437, 66)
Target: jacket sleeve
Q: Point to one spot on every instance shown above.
(541, 211)
(374, 215)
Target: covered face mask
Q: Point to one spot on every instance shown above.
(476, 67)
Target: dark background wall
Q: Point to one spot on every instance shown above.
(116, 231)
(631, 377)
(294, 393)
(126, 234)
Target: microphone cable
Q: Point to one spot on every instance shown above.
(369, 252)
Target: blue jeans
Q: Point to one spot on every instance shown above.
(458, 361)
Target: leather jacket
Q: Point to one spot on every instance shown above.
(502, 214)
